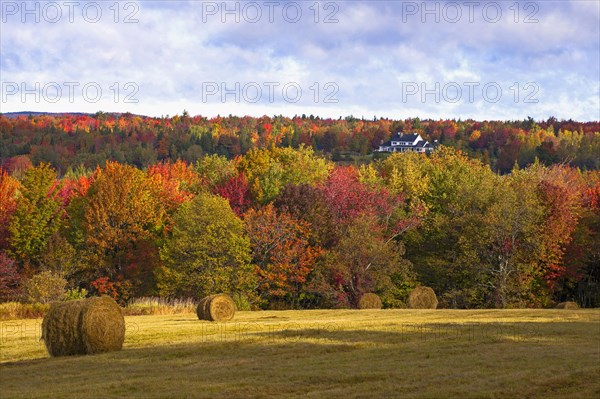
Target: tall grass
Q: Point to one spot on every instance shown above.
(159, 306)
(135, 307)
(18, 310)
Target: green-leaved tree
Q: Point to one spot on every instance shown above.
(37, 217)
(207, 252)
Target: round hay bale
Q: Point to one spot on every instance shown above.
(569, 305)
(422, 298)
(219, 307)
(369, 301)
(201, 308)
(60, 329)
(102, 325)
(82, 327)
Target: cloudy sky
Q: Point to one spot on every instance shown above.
(398, 59)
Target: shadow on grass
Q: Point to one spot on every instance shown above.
(221, 336)
(320, 361)
(432, 333)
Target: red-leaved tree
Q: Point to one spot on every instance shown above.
(9, 278)
(8, 204)
(237, 191)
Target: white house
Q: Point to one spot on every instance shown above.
(407, 142)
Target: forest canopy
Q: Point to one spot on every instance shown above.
(296, 213)
(71, 141)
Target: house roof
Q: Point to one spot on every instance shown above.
(404, 138)
(408, 138)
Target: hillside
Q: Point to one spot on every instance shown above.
(72, 140)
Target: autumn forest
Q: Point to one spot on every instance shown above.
(294, 213)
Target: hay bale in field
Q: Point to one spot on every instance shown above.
(82, 327)
(369, 301)
(203, 309)
(219, 307)
(60, 329)
(569, 305)
(102, 325)
(422, 298)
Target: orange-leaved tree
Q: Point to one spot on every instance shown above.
(281, 252)
(120, 211)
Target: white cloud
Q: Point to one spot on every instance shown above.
(175, 50)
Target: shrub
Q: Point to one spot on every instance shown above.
(397, 296)
(75, 293)
(102, 286)
(9, 278)
(242, 303)
(45, 287)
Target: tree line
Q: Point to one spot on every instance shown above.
(282, 227)
(70, 141)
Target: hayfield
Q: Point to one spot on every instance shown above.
(321, 354)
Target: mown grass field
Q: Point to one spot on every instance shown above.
(322, 354)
